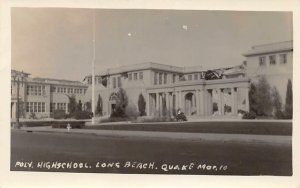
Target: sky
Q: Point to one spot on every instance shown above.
(58, 42)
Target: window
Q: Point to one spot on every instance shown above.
(141, 76)
(165, 78)
(119, 82)
(155, 78)
(71, 90)
(35, 90)
(160, 78)
(189, 77)
(65, 90)
(174, 77)
(195, 76)
(135, 76)
(114, 82)
(129, 76)
(80, 91)
(283, 58)
(27, 107)
(262, 61)
(272, 59)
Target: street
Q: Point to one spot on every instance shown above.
(122, 153)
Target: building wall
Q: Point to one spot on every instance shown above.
(276, 75)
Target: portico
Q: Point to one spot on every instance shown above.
(201, 98)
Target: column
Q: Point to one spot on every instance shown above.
(160, 103)
(247, 99)
(167, 102)
(198, 102)
(148, 104)
(180, 100)
(171, 104)
(234, 101)
(157, 102)
(220, 104)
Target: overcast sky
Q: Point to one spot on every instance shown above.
(57, 42)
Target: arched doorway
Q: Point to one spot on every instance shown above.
(190, 104)
(112, 102)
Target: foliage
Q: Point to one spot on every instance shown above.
(249, 115)
(72, 104)
(121, 103)
(88, 106)
(79, 106)
(99, 106)
(289, 101)
(277, 105)
(131, 111)
(81, 115)
(260, 98)
(59, 114)
(142, 105)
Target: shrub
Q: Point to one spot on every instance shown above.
(59, 114)
(249, 115)
(81, 115)
(142, 105)
(131, 111)
(289, 101)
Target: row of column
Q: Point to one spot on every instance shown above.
(203, 98)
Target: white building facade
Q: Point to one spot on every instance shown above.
(168, 88)
(274, 61)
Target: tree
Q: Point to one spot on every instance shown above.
(260, 98)
(99, 106)
(142, 105)
(79, 106)
(289, 100)
(72, 104)
(277, 104)
(121, 103)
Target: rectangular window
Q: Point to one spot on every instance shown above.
(262, 61)
(39, 107)
(71, 90)
(28, 90)
(80, 91)
(190, 77)
(155, 78)
(283, 58)
(272, 59)
(141, 76)
(174, 77)
(195, 76)
(114, 82)
(129, 76)
(27, 107)
(31, 107)
(135, 76)
(35, 107)
(119, 82)
(65, 90)
(165, 78)
(39, 89)
(160, 78)
(43, 107)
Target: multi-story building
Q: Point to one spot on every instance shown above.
(168, 88)
(40, 96)
(274, 61)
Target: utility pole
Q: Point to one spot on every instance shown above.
(18, 78)
(93, 68)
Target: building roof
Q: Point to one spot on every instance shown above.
(158, 66)
(48, 80)
(270, 48)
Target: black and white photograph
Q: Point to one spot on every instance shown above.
(151, 91)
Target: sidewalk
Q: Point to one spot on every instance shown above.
(171, 136)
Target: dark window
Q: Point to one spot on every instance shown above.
(189, 77)
(119, 82)
(135, 76)
(272, 59)
(155, 78)
(129, 76)
(195, 76)
(114, 82)
(262, 61)
(160, 78)
(165, 78)
(283, 58)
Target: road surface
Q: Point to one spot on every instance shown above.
(140, 154)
